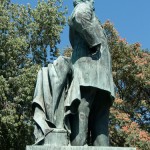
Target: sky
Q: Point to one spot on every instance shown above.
(131, 18)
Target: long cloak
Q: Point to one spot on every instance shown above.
(89, 69)
(49, 97)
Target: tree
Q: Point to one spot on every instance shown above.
(47, 22)
(129, 123)
(27, 37)
(130, 65)
(124, 131)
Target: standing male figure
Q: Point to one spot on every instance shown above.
(91, 92)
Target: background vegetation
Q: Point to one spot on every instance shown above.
(29, 38)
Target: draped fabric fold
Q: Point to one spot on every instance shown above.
(49, 97)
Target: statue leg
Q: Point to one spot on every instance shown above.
(79, 126)
(99, 129)
(79, 121)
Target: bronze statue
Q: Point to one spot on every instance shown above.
(74, 95)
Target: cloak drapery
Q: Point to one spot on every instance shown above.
(49, 97)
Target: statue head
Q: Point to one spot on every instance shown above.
(76, 2)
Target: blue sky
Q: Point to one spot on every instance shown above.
(131, 18)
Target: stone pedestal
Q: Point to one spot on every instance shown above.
(56, 138)
(47, 147)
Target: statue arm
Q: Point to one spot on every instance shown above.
(83, 22)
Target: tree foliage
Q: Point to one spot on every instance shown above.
(27, 36)
(126, 132)
(129, 120)
(130, 65)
